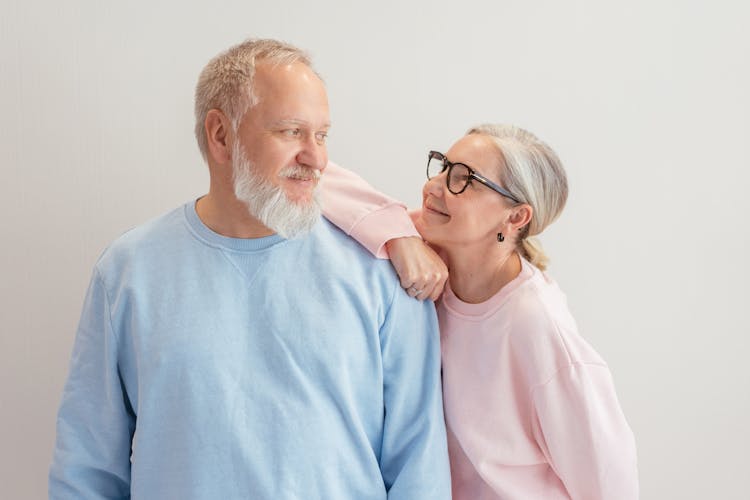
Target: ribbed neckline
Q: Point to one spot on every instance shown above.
(204, 233)
(489, 306)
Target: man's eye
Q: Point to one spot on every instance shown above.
(292, 132)
(321, 137)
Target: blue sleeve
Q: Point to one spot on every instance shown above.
(414, 455)
(95, 422)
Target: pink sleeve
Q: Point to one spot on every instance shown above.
(368, 216)
(582, 431)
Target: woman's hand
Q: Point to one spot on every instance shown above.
(420, 269)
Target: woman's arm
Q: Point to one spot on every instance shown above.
(365, 214)
(582, 430)
(382, 225)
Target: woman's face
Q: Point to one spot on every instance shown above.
(451, 221)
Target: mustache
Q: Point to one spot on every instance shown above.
(300, 172)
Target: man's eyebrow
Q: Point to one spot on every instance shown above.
(295, 122)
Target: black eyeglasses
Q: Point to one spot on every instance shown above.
(459, 175)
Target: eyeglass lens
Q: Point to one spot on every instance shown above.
(459, 175)
(458, 179)
(435, 167)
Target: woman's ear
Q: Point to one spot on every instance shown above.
(217, 129)
(521, 216)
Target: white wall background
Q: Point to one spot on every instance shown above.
(646, 102)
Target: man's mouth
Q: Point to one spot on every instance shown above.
(301, 174)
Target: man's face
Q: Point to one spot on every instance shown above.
(284, 134)
(268, 202)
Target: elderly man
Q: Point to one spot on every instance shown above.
(242, 347)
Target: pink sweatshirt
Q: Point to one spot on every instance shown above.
(366, 215)
(530, 407)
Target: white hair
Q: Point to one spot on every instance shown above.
(226, 83)
(534, 175)
(268, 203)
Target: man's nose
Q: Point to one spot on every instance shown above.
(314, 153)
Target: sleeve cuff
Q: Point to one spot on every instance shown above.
(375, 229)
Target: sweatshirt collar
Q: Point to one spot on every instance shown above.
(204, 233)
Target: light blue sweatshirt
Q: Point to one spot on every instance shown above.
(208, 367)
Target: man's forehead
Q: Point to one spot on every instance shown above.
(272, 76)
(290, 94)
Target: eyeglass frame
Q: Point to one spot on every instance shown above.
(448, 165)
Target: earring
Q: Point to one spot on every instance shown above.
(500, 237)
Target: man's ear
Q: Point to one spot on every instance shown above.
(217, 128)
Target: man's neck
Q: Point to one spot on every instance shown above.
(226, 215)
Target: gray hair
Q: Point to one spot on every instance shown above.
(534, 175)
(226, 83)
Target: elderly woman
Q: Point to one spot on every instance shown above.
(530, 407)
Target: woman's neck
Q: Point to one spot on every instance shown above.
(476, 276)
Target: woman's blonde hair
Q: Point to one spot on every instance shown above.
(534, 175)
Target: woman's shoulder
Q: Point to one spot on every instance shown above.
(544, 334)
(538, 305)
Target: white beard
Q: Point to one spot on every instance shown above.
(268, 203)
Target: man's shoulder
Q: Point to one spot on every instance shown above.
(341, 262)
(342, 255)
(340, 245)
(150, 237)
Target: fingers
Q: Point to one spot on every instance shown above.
(427, 286)
(422, 273)
(437, 290)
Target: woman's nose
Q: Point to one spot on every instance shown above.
(435, 186)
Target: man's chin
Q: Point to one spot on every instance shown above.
(297, 198)
(301, 199)
(300, 191)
